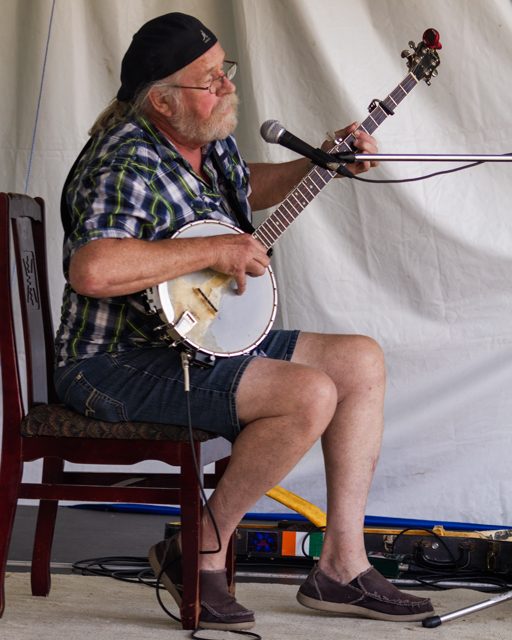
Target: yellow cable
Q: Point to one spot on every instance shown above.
(298, 504)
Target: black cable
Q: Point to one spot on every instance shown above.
(129, 568)
(433, 580)
(322, 528)
(147, 577)
(135, 570)
(433, 533)
(198, 475)
(430, 175)
(158, 597)
(251, 634)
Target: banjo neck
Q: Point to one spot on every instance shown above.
(272, 228)
(200, 309)
(422, 62)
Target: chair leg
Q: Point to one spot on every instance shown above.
(190, 504)
(40, 575)
(10, 478)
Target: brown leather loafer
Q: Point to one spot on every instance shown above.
(219, 609)
(368, 595)
(166, 555)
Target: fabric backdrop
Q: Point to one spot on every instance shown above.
(422, 267)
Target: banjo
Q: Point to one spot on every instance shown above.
(202, 310)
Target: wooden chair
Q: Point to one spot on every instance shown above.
(50, 431)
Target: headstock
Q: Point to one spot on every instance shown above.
(423, 60)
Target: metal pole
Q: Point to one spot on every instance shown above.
(435, 621)
(397, 157)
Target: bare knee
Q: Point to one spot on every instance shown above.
(349, 360)
(358, 366)
(315, 400)
(369, 360)
(302, 395)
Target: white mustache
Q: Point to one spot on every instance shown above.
(230, 98)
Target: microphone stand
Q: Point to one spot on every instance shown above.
(350, 157)
(346, 157)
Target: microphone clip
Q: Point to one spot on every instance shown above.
(335, 161)
(345, 156)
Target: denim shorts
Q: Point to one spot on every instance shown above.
(146, 385)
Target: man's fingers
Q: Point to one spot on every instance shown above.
(365, 143)
(241, 283)
(343, 133)
(239, 256)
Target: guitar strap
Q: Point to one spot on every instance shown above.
(231, 195)
(64, 211)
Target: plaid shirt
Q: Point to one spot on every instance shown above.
(132, 183)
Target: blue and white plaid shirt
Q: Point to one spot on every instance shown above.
(132, 183)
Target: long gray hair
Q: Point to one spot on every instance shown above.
(140, 105)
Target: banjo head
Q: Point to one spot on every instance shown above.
(225, 324)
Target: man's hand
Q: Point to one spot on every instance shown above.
(363, 143)
(239, 256)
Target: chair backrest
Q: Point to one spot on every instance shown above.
(26, 217)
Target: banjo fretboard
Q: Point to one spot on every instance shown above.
(271, 229)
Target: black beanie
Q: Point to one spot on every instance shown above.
(161, 47)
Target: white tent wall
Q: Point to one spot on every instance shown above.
(423, 268)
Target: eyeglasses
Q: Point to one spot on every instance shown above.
(229, 73)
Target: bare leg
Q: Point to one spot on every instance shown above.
(286, 407)
(333, 388)
(351, 444)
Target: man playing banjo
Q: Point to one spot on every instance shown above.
(147, 172)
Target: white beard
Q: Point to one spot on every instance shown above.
(217, 127)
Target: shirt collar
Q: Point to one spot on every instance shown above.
(166, 150)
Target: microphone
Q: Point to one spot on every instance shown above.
(272, 131)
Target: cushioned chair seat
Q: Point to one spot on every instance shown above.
(56, 420)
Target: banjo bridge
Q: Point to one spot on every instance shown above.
(206, 299)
